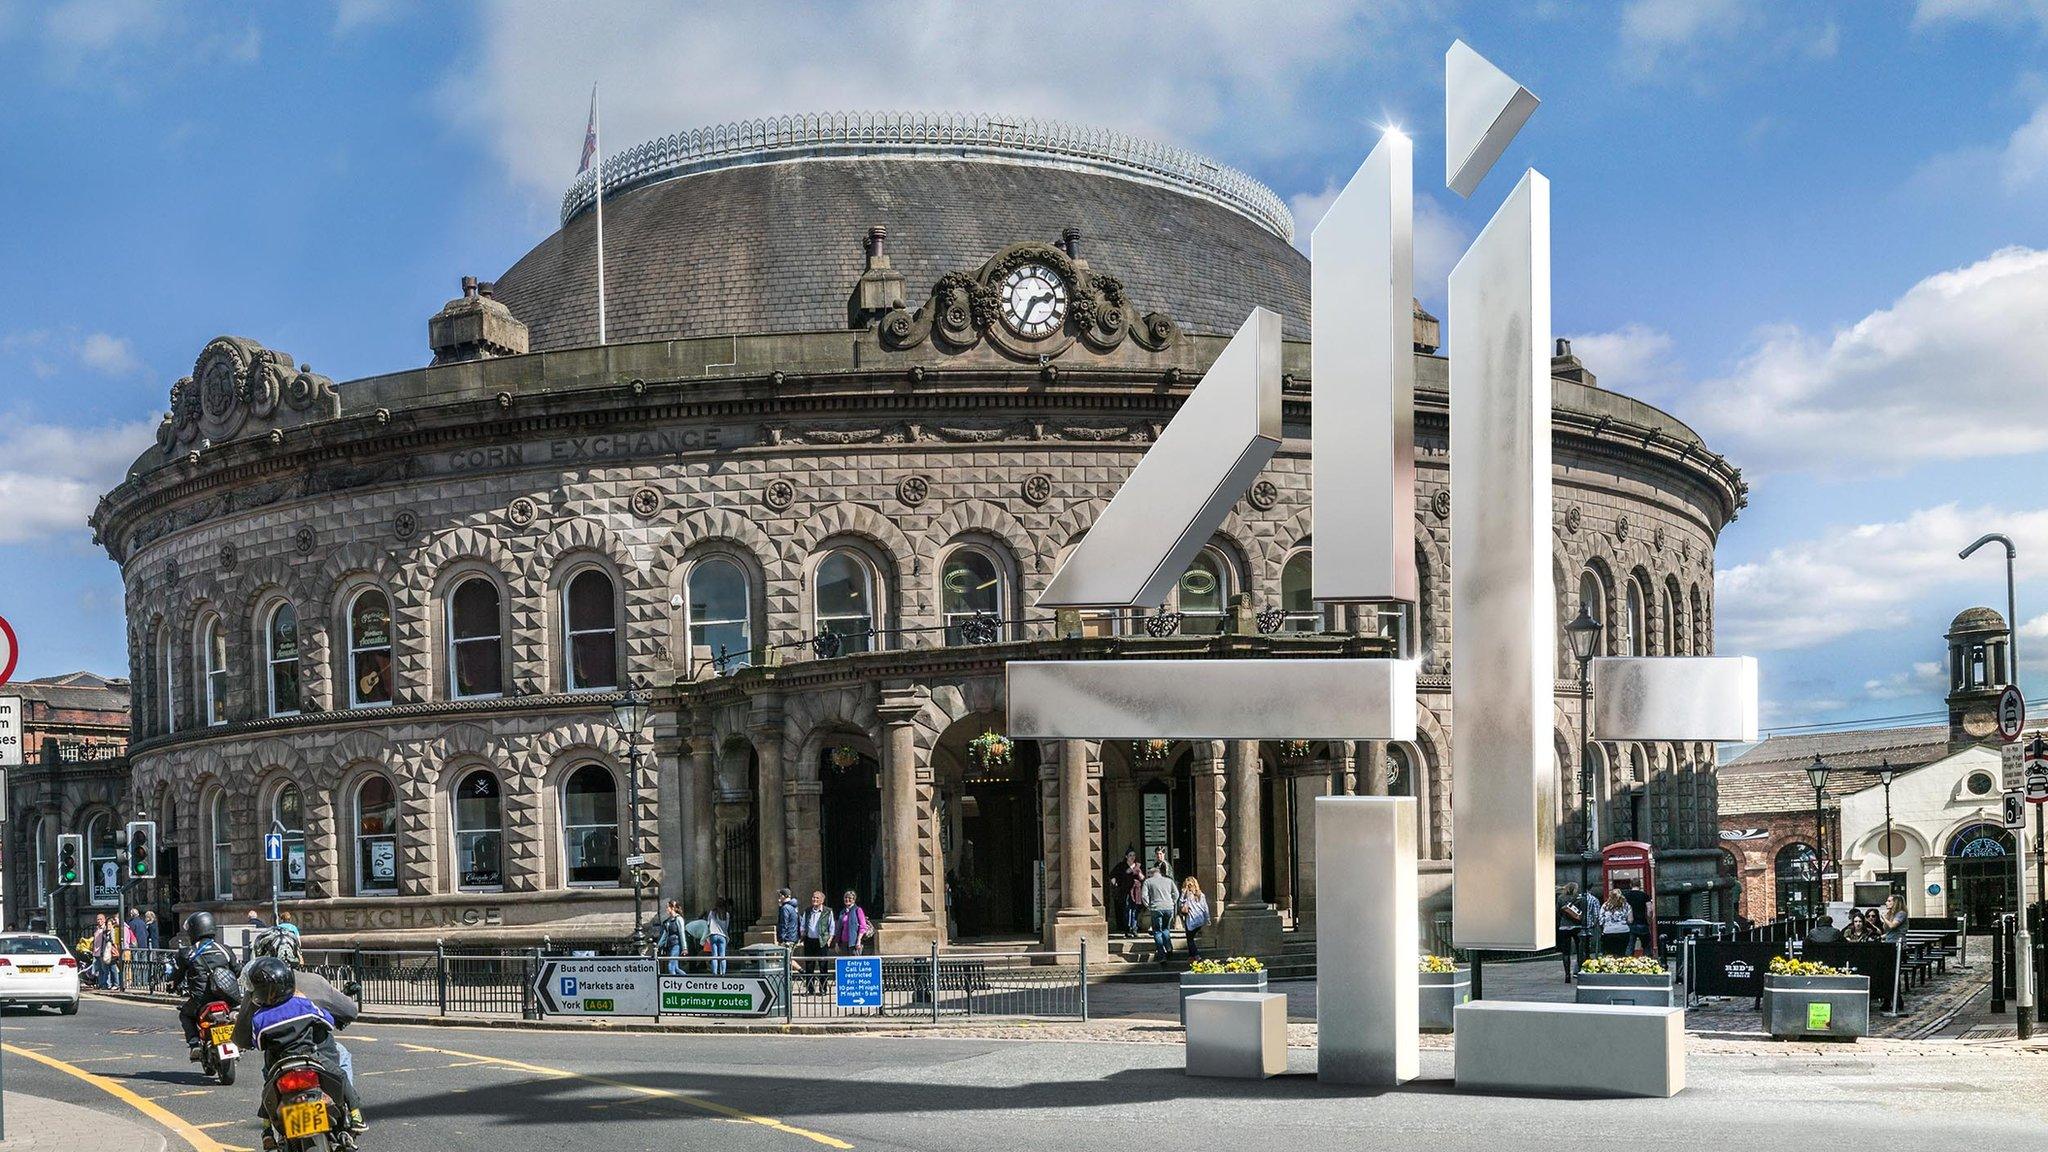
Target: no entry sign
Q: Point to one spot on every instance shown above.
(9, 650)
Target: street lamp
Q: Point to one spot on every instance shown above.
(2023, 982)
(1583, 633)
(1817, 773)
(1885, 772)
(629, 715)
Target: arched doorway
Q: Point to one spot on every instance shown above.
(1980, 873)
(990, 830)
(850, 826)
(1797, 870)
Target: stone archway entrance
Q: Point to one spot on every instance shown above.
(989, 832)
(1980, 873)
(850, 827)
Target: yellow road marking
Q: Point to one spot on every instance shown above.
(199, 1141)
(123, 1056)
(387, 1071)
(215, 1124)
(465, 1064)
(710, 1106)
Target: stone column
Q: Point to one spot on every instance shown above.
(1372, 768)
(909, 924)
(1312, 781)
(1206, 773)
(765, 725)
(1344, 767)
(1080, 914)
(1251, 926)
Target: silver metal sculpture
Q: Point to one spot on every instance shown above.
(1483, 109)
(1212, 699)
(1675, 698)
(1367, 938)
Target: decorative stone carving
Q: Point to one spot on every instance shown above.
(779, 495)
(912, 490)
(521, 512)
(964, 310)
(646, 502)
(1263, 495)
(1037, 488)
(406, 524)
(1572, 519)
(1440, 504)
(303, 539)
(1657, 539)
(238, 385)
(1621, 527)
(227, 557)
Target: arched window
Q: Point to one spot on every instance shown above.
(103, 868)
(1593, 595)
(1638, 625)
(476, 665)
(1672, 605)
(590, 826)
(1400, 771)
(286, 812)
(1204, 594)
(376, 837)
(167, 689)
(1699, 621)
(369, 649)
(970, 585)
(592, 621)
(844, 603)
(1798, 876)
(479, 832)
(719, 620)
(213, 649)
(1297, 594)
(223, 849)
(281, 659)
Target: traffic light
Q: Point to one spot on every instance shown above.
(70, 860)
(141, 849)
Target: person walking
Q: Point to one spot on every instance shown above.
(1571, 918)
(1161, 900)
(851, 935)
(719, 921)
(1194, 914)
(152, 934)
(787, 916)
(814, 935)
(1124, 878)
(670, 939)
(1639, 918)
(96, 950)
(1614, 919)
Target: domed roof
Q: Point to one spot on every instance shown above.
(1977, 620)
(759, 228)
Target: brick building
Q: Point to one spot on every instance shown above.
(74, 778)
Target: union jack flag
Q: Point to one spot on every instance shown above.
(589, 135)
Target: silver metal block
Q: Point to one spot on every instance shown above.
(1504, 646)
(1367, 939)
(1483, 110)
(1237, 1034)
(1179, 493)
(1675, 698)
(1211, 699)
(1362, 288)
(1574, 1049)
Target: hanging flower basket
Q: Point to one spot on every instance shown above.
(990, 750)
(844, 757)
(1149, 751)
(1294, 751)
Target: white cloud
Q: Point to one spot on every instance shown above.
(356, 15)
(51, 475)
(1926, 676)
(1216, 73)
(1657, 34)
(1956, 367)
(1927, 13)
(1704, 42)
(1633, 358)
(112, 355)
(1864, 577)
(88, 26)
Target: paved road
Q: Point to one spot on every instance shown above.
(451, 1089)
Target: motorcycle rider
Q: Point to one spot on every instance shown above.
(297, 1014)
(204, 971)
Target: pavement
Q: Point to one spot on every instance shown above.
(40, 1124)
(450, 1087)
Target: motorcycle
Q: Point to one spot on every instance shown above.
(217, 1051)
(303, 1114)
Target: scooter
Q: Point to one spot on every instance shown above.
(303, 1114)
(217, 1051)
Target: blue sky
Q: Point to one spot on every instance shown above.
(1818, 233)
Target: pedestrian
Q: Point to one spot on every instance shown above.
(1194, 914)
(786, 918)
(1124, 877)
(1893, 919)
(1160, 861)
(815, 936)
(719, 920)
(152, 934)
(96, 951)
(1570, 919)
(285, 923)
(1161, 899)
(1614, 920)
(854, 929)
(124, 949)
(670, 940)
(1639, 918)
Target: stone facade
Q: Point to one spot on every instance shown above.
(73, 778)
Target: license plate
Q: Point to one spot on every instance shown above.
(223, 1033)
(36, 969)
(303, 1120)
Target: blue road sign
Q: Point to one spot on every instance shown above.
(859, 981)
(569, 986)
(273, 846)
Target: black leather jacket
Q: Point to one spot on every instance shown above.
(206, 971)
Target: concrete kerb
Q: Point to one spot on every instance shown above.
(44, 1125)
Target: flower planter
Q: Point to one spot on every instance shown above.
(1193, 983)
(1439, 997)
(1837, 1007)
(1658, 991)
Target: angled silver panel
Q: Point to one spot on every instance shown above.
(1675, 698)
(1504, 642)
(1179, 493)
(1483, 109)
(1362, 289)
(1367, 938)
(1211, 699)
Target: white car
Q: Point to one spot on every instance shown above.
(37, 969)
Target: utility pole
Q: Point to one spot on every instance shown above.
(2023, 979)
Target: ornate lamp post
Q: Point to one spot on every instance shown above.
(629, 715)
(1583, 633)
(1817, 773)
(1885, 772)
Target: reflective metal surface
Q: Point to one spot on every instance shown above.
(1367, 939)
(1179, 493)
(1362, 287)
(1504, 641)
(1211, 699)
(1483, 109)
(1570, 1049)
(1675, 698)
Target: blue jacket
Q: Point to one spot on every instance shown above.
(787, 921)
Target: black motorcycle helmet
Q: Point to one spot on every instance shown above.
(271, 982)
(199, 926)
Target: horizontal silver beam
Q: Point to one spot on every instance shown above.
(1675, 698)
(1211, 699)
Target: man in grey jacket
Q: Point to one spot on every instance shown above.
(1161, 898)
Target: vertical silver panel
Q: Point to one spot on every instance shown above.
(1367, 939)
(1675, 698)
(1483, 109)
(1503, 638)
(1362, 289)
(1210, 699)
(1173, 501)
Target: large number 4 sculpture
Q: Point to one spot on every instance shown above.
(1503, 654)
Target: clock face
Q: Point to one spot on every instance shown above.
(1034, 301)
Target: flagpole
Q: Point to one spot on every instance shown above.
(597, 132)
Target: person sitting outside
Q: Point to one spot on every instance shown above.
(1824, 931)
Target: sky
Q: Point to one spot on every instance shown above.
(1817, 233)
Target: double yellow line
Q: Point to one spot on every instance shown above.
(186, 1131)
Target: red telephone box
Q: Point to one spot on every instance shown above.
(1634, 861)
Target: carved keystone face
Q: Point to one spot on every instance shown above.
(1034, 301)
